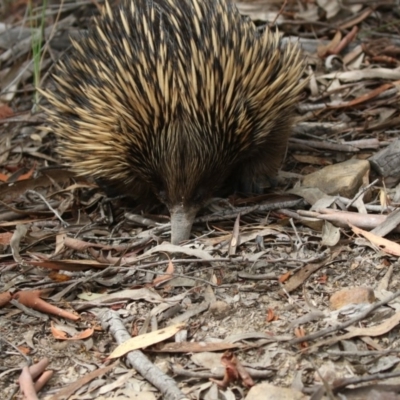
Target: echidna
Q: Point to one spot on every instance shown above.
(176, 99)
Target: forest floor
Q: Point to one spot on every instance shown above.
(291, 294)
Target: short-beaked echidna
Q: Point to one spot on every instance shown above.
(177, 99)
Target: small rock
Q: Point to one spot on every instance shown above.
(220, 309)
(265, 391)
(344, 178)
(355, 295)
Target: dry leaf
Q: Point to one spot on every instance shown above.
(233, 371)
(31, 298)
(5, 298)
(165, 277)
(69, 265)
(141, 341)
(62, 335)
(271, 316)
(376, 330)
(170, 248)
(194, 347)
(300, 332)
(231, 374)
(5, 238)
(33, 378)
(235, 239)
(284, 277)
(66, 392)
(5, 111)
(29, 174)
(55, 276)
(384, 244)
(24, 349)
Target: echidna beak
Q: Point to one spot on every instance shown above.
(181, 222)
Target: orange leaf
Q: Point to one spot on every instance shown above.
(5, 238)
(60, 334)
(31, 298)
(271, 316)
(28, 175)
(299, 332)
(6, 112)
(3, 177)
(24, 349)
(384, 244)
(237, 369)
(322, 279)
(165, 277)
(5, 298)
(283, 278)
(231, 374)
(55, 276)
(345, 41)
(323, 51)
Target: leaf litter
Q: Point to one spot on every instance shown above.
(292, 293)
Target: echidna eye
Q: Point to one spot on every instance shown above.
(162, 195)
(198, 196)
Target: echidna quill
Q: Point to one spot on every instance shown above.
(179, 99)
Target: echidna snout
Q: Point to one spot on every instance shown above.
(181, 222)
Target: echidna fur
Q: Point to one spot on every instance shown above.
(176, 99)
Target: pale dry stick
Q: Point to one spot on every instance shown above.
(27, 359)
(299, 242)
(365, 144)
(111, 321)
(367, 378)
(344, 325)
(276, 205)
(343, 383)
(254, 373)
(369, 207)
(140, 220)
(53, 31)
(174, 275)
(280, 12)
(233, 213)
(48, 40)
(360, 193)
(60, 295)
(328, 389)
(15, 213)
(65, 224)
(25, 43)
(390, 224)
(325, 145)
(357, 354)
(234, 261)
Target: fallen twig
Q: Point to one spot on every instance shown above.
(351, 321)
(111, 321)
